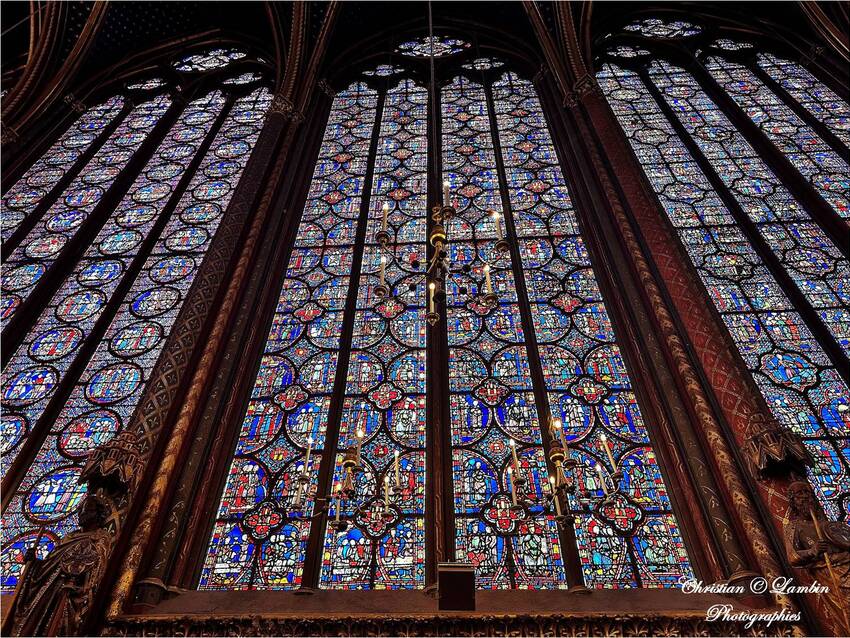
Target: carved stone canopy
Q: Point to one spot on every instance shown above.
(115, 466)
(775, 451)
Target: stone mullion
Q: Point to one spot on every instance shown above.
(749, 230)
(439, 513)
(50, 197)
(566, 532)
(802, 112)
(315, 543)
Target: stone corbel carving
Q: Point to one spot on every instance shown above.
(821, 548)
(9, 136)
(74, 103)
(55, 594)
(774, 451)
(283, 106)
(585, 85)
(326, 88)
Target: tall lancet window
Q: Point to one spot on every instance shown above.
(747, 152)
(109, 229)
(390, 421)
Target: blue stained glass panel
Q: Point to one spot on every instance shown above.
(39, 250)
(108, 391)
(260, 532)
(28, 192)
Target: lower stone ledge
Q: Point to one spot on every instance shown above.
(448, 624)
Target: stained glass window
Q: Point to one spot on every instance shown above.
(38, 251)
(345, 375)
(665, 29)
(812, 156)
(745, 233)
(117, 303)
(384, 70)
(209, 60)
(262, 524)
(483, 64)
(44, 175)
(441, 45)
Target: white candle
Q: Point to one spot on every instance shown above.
(386, 491)
(309, 449)
(383, 269)
(513, 487)
(338, 502)
(386, 209)
(602, 479)
(559, 433)
(359, 443)
(555, 496)
(431, 288)
(488, 285)
(513, 453)
(608, 451)
(499, 233)
(397, 471)
(446, 187)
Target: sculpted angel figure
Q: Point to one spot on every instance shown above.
(56, 592)
(820, 546)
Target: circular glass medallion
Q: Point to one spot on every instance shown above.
(67, 219)
(230, 150)
(172, 269)
(100, 272)
(211, 190)
(56, 495)
(55, 343)
(86, 432)
(200, 213)
(84, 197)
(177, 152)
(13, 427)
(22, 277)
(45, 246)
(135, 339)
(119, 242)
(185, 239)
(113, 383)
(155, 301)
(80, 305)
(135, 216)
(44, 177)
(151, 192)
(29, 385)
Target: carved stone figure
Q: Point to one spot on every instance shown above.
(821, 547)
(55, 593)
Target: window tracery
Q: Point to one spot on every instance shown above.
(345, 375)
(75, 380)
(746, 233)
